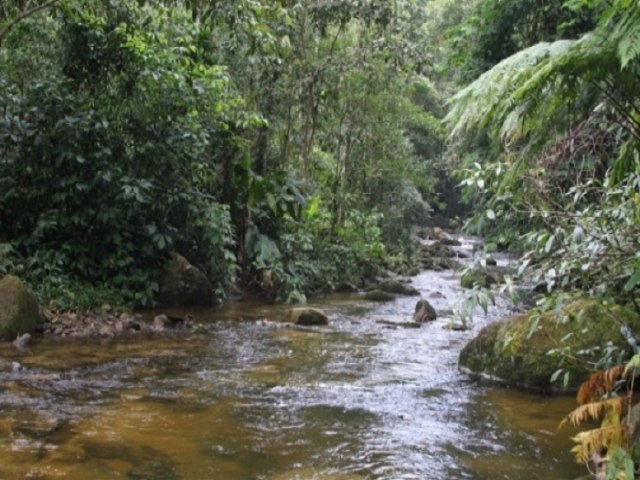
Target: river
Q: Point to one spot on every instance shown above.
(254, 400)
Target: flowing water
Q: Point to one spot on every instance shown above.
(254, 400)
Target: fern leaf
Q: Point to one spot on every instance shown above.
(595, 410)
(593, 441)
(486, 101)
(632, 365)
(625, 19)
(599, 384)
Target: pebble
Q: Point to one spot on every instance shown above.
(108, 325)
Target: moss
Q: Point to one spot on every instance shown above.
(379, 296)
(184, 284)
(482, 277)
(398, 288)
(19, 310)
(517, 350)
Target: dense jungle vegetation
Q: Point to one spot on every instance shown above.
(286, 146)
(289, 146)
(293, 145)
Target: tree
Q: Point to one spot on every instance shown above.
(556, 135)
(11, 15)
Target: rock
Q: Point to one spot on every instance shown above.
(306, 316)
(160, 323)
(184, 284)
(346, 288)
(19, 310)
(424, 312)
(379, 296)
(458, 326)
(413, 270)
(437, 250)
(17, 368)
(391, 323)
(483, 277)
(22, 341)
(180, 323)
(433, 233)
(397, 287)
(105, 331)
(435, 263)
(451, 242)
(516, 352)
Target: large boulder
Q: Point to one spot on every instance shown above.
(184, 284)
(517, 350)
(19, 310)
(306, 316)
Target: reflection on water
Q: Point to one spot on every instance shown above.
(248, 400)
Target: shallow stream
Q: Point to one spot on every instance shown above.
(254, 400)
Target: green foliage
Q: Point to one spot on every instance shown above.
(494, 30)
(130, 129)
(548, 144)
(109, 160)
(544, 128)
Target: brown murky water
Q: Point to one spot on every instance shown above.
(253, 401)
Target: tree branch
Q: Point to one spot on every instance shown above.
(27, 13)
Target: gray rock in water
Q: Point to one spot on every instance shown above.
(22, 341)
(424, 312)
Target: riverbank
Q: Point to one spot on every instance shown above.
(438, 250)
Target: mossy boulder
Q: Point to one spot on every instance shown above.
(184, 284)
(437, 249)
(379, 296)
(397, 287)
(306, 316)
(516, 351)
(19, 309)
(451, 242)
(483, 277)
